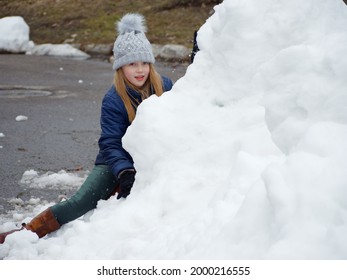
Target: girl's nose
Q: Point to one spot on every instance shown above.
(139, 67)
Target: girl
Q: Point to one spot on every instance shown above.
(135, 80)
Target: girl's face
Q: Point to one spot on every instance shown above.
(136, 73)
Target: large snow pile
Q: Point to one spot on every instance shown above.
(245, 158)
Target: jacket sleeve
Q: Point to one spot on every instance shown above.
(167, 83)
(114, 123)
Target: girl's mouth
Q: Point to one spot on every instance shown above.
(139, 78)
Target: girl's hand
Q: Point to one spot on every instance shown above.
(126, 181)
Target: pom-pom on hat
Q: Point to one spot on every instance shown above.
(132, 44)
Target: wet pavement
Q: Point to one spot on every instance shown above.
(61, 98)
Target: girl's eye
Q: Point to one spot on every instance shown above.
(138, 63)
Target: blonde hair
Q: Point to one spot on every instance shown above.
(121, 83)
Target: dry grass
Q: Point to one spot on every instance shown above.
(92, 21)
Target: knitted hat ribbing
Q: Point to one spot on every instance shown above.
(132, 44)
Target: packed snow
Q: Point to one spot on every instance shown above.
(245, 158)
(14, 35)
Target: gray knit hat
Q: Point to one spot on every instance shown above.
(132, 44)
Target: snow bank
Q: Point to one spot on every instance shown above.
(14, 38)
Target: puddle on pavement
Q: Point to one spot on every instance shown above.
(23, 92)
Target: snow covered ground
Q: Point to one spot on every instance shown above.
(245, 158)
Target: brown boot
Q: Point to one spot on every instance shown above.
(43, 223)
(4, 234)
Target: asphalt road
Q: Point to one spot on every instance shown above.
(61, 98)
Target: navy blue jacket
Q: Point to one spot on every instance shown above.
(114, 123)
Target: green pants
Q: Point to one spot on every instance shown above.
(100, 184)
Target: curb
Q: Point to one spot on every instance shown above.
(170, 52)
